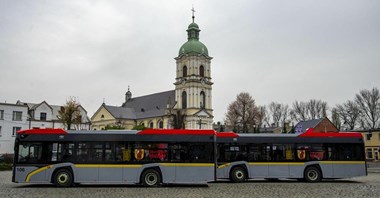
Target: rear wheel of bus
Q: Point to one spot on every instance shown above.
(151, 178)
(63, 178)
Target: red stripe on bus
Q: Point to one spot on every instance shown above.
(311, 133)
(43, 131)
(226, 135)
(175, 132)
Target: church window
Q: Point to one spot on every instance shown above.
(202, 71)
(202, 99)
(184, 100)
(151, 125)
(160, 124)
(184, 71)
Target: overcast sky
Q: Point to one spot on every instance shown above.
(281, 51)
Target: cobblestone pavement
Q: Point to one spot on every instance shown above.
(356, 187)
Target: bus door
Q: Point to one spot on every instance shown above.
(109, 171)
(258, 158)
(197, 163)
(279, 165)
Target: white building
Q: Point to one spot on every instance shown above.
(22, 115)
(12, 118)
(43, 115)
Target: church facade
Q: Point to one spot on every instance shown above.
(188, 106)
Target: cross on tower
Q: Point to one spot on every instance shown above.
(193, 13)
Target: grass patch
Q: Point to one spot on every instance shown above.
(5, 166)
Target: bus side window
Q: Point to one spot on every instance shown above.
(109, 152)
(67, 155)
(55, 152)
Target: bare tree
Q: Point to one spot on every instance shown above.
(261, 116)
(177, 117)
(312, 109)
(335, 118)
(275, 112)
(70, 113)
(242, 113)
(316, 109)
(349, 112)
(278, 113)
(285, 113)
(299, 111)
(369, 105)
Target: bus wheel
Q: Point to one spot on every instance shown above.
(238, 174)
(63, 178)
(313, 174)
(151, 178)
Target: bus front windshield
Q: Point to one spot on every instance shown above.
(29, 153)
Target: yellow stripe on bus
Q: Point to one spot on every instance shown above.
(277, 163)
(342, 162)
(108, 165)
(224, 165)
(187, 164)
(36, 171)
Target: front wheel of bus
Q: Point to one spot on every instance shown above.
(238, 174)
(313, 174)
(63, 178)
(151, 178)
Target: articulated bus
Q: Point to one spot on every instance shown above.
(153, 157)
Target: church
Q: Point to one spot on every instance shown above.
(188, 106)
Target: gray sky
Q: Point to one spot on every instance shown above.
(280, 51)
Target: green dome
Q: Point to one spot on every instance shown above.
(193, 46)
(193, 25)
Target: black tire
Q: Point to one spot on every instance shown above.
(238, 174)
(63, 178)
(151, 178)
(313, 174)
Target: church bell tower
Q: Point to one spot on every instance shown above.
(193, 86)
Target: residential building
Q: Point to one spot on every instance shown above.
(13, 118)
(44, 115)
(23, 115)
(318, 125)
(372, 143)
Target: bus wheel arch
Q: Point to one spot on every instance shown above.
(151, 177)
(238, 173)
(63, 177)
(313, 173)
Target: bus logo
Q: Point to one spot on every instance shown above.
(139, 154)
(301, 154)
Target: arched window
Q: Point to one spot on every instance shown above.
(202, 96)
(184, 100)
(201, 71)
(151, 125)
(184, 71)
(160, 124)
